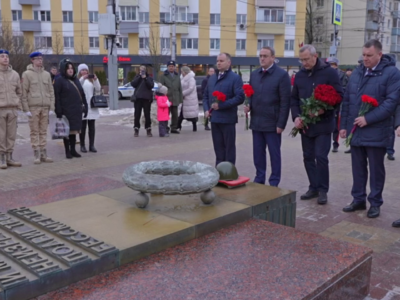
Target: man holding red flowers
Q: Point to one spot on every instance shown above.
(315, 138)
(269, 108)
(224, 113)
(379, 79)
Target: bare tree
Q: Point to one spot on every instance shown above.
(155, 52)
(18, 47)
(315, 30)
(58, 43)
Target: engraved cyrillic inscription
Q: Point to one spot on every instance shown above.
(89, 243)
(10, 277)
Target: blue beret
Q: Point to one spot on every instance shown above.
(2, 51)
(171, 62)
(35, 54)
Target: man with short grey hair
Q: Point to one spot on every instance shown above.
(269, 109)
(316, 138)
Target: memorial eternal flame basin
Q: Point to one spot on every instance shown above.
(170, 177)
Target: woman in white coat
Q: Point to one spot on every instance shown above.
(90, 86)
(190, 106)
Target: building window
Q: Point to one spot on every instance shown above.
(68, 17)
(241, 44)
(165, 17)
(194, 18)
(68, 41)
(319, 39)
(181, 13)
(291, 20)
(388, 24)
(273, 15)
(265, 43)
(42, 42)
(387, 40)
(241, 19)
(144, 43)
(214, 44)
(320, 3)
(165, 43)
(0, 16)
(215, 19)
(396, 23)
(124, 42)
(18, 41)
(390, 6)
(16, 15)
(128, 13)
(93, 42)
(289, 45)
(144, 17)
(93, 16)
(189, 44)
(319, 21)
(42, 15)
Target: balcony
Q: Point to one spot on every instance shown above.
(30, 25)
(395, 48)
(126, 27)
(396, 14)
(373, 5)
(270, 3)
(29, 2)
(180, 2)
(181, 29)
(128, 3)
(395, 31)
(372, 26)
(270, 28)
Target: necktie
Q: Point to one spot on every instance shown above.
(220, 75)
(369, 71)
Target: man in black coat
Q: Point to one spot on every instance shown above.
(269, 109)
(143, 85)
(211, 71)
(380, 79)
(316, 140)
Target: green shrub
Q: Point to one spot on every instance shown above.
(130, 76)
(101, 75)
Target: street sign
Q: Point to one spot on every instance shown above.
(337, 12)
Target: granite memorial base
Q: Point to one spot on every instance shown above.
(47, 247)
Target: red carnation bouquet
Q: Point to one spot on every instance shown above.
(324, 97)
(248, 92)
(367, 103)
(218, 97)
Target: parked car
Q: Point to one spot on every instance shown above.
(199, 80)
(126, 90)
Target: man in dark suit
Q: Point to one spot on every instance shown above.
(379, 78)
(269, 109)
(316, 140)
(224, 114)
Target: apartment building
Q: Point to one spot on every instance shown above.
(361, 21)
(205, 28)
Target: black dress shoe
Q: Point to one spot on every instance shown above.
(83, 149)
(175, 131)
(309, 195)
(390, 157)
(396, 223)
(207, 127)
(92, 149)
(322, 198)
(373, 212)
(348, 151)
(335, 149)
(353, 206)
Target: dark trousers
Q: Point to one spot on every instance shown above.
(193, 120)
(162, 128)
(360, 158)
(92, 131)
(173, 111)
(224, 140)
(390, 149)
(335, 134)
(315, 155)
(146, 106)
(262, 140)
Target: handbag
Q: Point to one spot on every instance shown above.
(59, 128)
(133, 97)
(99, 101)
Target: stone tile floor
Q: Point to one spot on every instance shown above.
(117, 148)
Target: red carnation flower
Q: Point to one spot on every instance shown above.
(248, 90)
(369, 100)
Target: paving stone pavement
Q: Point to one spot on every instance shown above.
(117, 148)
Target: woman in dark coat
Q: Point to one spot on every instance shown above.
(70, 102)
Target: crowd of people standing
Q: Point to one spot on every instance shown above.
(275, 96)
